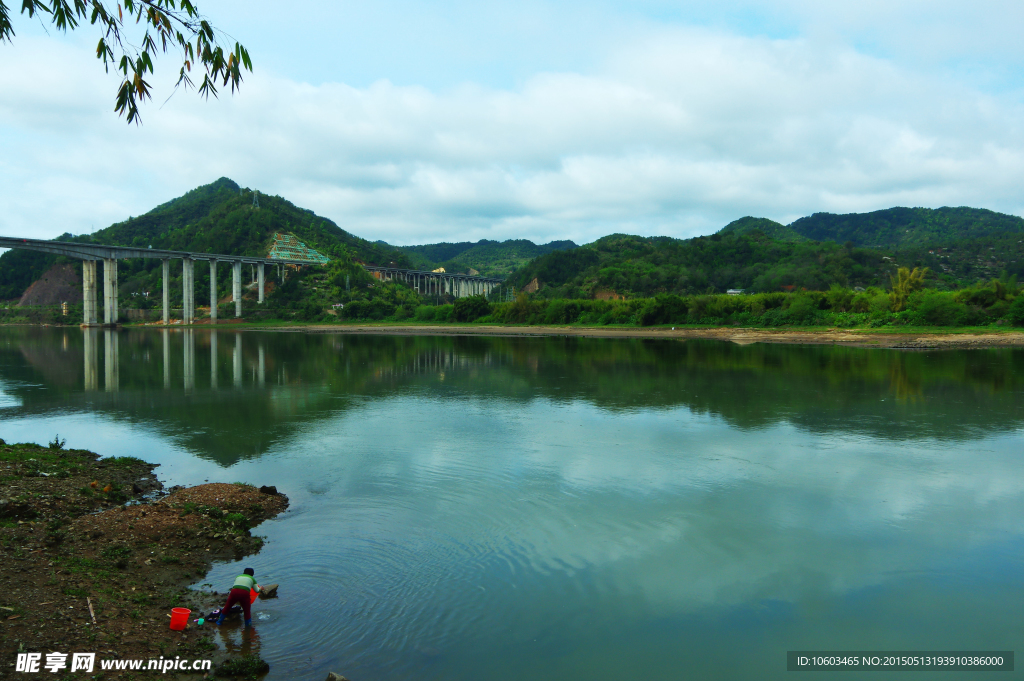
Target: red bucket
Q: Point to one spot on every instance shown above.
(179, 618)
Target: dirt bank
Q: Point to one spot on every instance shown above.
(79, 531)
(850, 337)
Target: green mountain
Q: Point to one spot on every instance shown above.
(644, 266)
(895, 228)
(960, 246)
(214, 218)
(221, 218)
(489, 258)
(775, 230)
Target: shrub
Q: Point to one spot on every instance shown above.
(1016, 313)
(879, 304)
(840, 298)
(517, 312)
(936, 308)
(425, 313)
(376, 309)
(470, 308)
(663, 309)
(802, 309)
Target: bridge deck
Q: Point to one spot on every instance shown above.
(100, 252)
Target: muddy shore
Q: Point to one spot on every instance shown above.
(94, 553)
(849, 337)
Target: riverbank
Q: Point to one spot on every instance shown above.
(897, 337)
(94, 553)
(905, 338)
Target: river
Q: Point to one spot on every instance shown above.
(571, 508)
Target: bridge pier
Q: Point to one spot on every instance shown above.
(236, 286)
(188, 291)
(109, 291)
(262, 280)
(89, 292)
(213, 293)
(166, 267)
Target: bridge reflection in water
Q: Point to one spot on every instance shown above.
(93, 338)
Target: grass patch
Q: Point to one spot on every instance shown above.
(245, 667)
(237, 521)
(118, 555)
(124, 461)
(208, 511)
(79, 564)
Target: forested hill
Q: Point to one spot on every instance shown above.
(896, 228)
(215, 218)
(642, 266)
(220, 218)
(489, 258)
(960, 246)
(775, 230)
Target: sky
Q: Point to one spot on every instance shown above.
(457, 121)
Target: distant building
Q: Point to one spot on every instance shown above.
(735, 291)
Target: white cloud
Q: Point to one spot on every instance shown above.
(676, 134)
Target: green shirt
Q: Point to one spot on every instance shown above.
(244, 581)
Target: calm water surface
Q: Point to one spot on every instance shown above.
(558, 508)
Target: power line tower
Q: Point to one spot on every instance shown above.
(255, 199)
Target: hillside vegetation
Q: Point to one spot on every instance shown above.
(213, 218)
(775, 230)
(488, 258)
(638, 266)
(839, 270)
(908, 303)
(960, 246)
(897, 228)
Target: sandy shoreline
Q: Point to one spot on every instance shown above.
(741, 336)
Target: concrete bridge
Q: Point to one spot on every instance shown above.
(458, 285)
(440, 283)
(90, 254)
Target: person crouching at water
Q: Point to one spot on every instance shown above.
(239, 593)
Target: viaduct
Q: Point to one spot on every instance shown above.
(457, 285)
